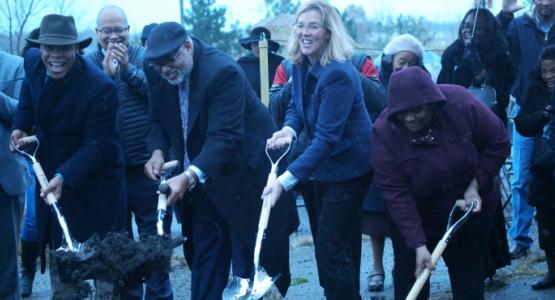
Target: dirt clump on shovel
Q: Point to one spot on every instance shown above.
(117, 258)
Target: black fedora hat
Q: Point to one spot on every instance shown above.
(58, 30)
(255, 37)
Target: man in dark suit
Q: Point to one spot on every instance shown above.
(206, 115)
(13, 177)
(71, 106)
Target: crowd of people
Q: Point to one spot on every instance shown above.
(382, 151)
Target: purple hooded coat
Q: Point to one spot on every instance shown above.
(423, 174)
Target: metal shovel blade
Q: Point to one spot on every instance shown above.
(261, 284)
(237, 289)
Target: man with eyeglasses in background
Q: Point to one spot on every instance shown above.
(123, 63)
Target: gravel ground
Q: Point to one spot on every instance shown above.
(512, 282)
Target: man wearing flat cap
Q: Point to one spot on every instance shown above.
(70, 105)
(206, 115)
(251, 62)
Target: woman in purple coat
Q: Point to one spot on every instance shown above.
(432, 145)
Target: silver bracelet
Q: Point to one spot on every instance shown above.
(190, 178)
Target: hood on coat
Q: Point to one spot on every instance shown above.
(409, 88)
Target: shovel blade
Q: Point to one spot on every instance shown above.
(261, 284)
(237, 289)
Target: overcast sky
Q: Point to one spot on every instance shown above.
(248, 12)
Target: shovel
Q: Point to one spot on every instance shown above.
(163, 192)
(262, 282)
(69, 244)
(452, 228)
(244, 288)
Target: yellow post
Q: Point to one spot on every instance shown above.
(264, 84)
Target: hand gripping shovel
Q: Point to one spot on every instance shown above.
(69, 244)
(452, 228)
(262, 282)
(163, 192)
(243, 288)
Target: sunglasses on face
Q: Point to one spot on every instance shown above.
(110, 30)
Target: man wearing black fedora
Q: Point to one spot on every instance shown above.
(251, 62)
(206, 115)
(71, 105)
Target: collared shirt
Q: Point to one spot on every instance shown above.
(544, 27)
(184, 107)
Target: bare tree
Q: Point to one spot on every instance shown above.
(18, 13)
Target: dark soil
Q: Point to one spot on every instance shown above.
(117, 258)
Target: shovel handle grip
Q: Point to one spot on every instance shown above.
(423, 277)
(170, 165)
(29, 139)
(43, 181)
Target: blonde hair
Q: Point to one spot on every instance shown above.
(340, 44)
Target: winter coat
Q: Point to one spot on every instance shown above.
(13, 175)
(526, 43)
(531, 122)
(494, 55)
(75, 122)
(327, 102)
(421, 175)
(133, 107)
(251, 67)
(226, 138)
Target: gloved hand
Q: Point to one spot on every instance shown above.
(472, 58)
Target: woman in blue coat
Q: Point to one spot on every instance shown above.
(327, 101)
(71, 106)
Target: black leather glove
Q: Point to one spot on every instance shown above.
(472, 58)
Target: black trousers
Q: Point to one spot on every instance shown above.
(545, 216)
(338, 241)
(464, 258)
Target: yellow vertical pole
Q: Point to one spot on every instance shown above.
(264, 84)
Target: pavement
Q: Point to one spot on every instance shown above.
(511, 282)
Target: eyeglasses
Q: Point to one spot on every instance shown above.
(170, 59)
(312, 27)
(110, 30)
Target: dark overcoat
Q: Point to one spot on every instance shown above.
(531, 122)
(226, 137)
(494, 54)
(74, 119)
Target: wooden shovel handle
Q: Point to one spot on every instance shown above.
(169, 165)
(423, 277)
(43, 181)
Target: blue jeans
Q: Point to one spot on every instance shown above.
(29, 231)
(523, 213)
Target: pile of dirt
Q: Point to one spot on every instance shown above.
(117, 258)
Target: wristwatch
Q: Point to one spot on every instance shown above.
(191, 179)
